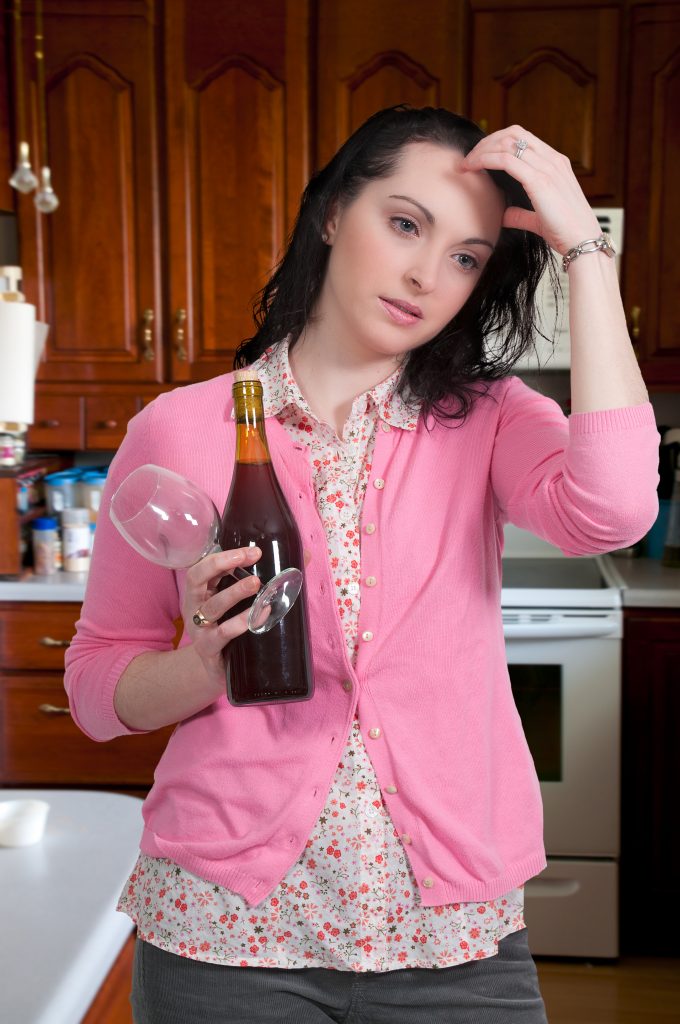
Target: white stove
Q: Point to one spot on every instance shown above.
(562, 621)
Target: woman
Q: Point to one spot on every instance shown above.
(282, 877)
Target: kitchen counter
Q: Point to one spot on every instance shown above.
(62, 586)
(646, 583)
(60, 930)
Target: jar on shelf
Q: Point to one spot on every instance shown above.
(76, 539)
(46, 546)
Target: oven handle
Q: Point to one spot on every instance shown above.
(559, 630)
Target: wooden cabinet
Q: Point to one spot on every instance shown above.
(555, 70)
(92, 267)
(39, 744)
(650, 777)
(652, 267)
(380, 54)
(126, 301)
(237, 148)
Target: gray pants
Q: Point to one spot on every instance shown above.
(501, 989)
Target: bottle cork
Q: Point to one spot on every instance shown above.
(244, 375)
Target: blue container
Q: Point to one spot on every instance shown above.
(656, 538)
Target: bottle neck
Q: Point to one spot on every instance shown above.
(251, 437)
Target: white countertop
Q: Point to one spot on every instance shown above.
(62, 586)
(60, 930)
(646, 583)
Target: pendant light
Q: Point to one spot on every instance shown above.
(45, 198)
(23, 179)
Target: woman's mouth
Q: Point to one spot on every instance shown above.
(401, 312)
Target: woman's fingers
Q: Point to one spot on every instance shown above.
(213, 567)
(561, 213)
(217, 605)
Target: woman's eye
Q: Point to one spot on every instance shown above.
(466, 261)
(404, 225)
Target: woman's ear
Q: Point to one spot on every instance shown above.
(331, 225)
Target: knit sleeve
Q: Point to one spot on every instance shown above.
(587, 483)
(130, 604)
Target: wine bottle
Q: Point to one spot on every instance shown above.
(273, 667)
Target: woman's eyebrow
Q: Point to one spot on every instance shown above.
(429, 217)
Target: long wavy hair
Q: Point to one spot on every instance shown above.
(499, 320)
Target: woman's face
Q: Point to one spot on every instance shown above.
(407, 252)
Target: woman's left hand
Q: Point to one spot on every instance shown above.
(561, 214)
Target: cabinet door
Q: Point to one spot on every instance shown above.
(375, 55)
(554, 71)
(92, 265)
(237, 157)
(650, 777)
(652, 267)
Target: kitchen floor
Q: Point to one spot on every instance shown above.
(634, 990)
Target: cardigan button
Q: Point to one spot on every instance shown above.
(375, 733)
(379, 483)
(391, 789)
(371, 581)
(370, 527)
(385, 426)
(406, 839)
(367, 635)
(347, 685)
(428, 882)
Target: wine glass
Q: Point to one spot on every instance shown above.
(172, 522)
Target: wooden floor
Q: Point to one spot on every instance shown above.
(634, 990)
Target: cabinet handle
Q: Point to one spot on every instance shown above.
(147, 335)
(635, 321)
(48, 641)
(52, 709)
(180, 320)
(483, 124)
(108, 424)
(50, 424)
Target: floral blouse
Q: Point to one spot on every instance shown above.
(350, 903)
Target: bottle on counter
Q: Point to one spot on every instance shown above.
(76, 539)
(273, 667)
(46, 546)
(671, 551)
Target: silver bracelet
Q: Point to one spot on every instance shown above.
(601, 244)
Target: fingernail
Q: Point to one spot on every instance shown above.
(255, 552)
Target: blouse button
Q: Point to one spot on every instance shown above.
(406, 839)
(371, 581)
(428, 882)
(379, 483)
(370, 527)
(367, 635)
(390, 789)
(374, 733)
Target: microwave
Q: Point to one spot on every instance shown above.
(555, 315)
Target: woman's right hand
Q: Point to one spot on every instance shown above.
(201, 594)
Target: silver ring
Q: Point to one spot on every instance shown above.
(199, 619)
(521, 146)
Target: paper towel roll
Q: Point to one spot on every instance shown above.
(17, 361)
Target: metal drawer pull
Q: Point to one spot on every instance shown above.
(48, 641)
(147, 335)
(50, 424)
(180, 320)
(52, 709)
(108, 424)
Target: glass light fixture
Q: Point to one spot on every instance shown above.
(23, 179)
(45, 198)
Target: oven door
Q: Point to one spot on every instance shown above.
(565, 669)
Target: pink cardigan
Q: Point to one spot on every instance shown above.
(238, 790)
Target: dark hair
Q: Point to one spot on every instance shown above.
(456, 363)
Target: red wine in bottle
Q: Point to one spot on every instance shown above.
(273, 667)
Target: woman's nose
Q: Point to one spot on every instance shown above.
(422, 274)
